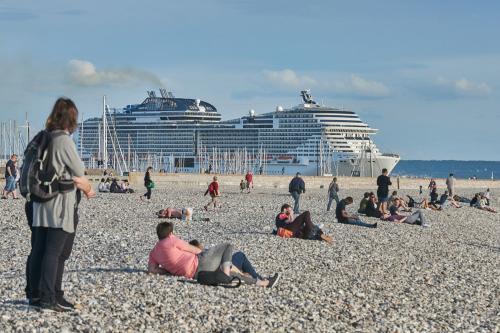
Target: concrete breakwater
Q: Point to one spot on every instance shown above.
(264, 181)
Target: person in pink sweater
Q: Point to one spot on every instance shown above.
(172, 255)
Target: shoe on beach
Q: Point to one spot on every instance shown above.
(65, 304)
(374, 225)
(273, 280)
(52, 307)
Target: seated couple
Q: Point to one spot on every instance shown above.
(445, 201)
(417, 217)
(345, 217)
(184, 214)
(172, 255)
(481, 202)
(300, 226)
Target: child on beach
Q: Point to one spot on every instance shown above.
(213, 191)
(243, 186)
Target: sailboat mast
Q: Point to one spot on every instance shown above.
(104, 134)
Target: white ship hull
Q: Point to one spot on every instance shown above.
(360, 168)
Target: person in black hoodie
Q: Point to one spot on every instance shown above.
(148, 183)
(371, 207)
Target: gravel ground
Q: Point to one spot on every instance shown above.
(396, 278)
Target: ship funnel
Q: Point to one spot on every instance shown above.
(279, 108)
(251, 113)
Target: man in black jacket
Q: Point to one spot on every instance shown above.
(383, 183)
(296, 188)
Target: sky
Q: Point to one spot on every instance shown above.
(425, 73)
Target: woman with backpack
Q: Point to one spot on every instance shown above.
(53, 221)
(148, 183)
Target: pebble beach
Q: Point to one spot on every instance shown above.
(395, 278)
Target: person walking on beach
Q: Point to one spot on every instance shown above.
(213, 191)
(344, 217)
(296, 188)
(10, 178)
(249, 180)
(148, 183)
(54, 222)
(383, 183)
(450, 184)
(333, 190)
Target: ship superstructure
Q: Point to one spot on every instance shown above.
(188, 135)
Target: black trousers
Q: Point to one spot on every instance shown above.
(148, 193)
(50, 248)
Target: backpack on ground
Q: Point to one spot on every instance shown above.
(218, 278)
(39, 181)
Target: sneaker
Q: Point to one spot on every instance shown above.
(320, 226)
(53, 307)
(425, 225)
(273, 280)
(65, 304)
(374, 225)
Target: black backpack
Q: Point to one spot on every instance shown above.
(218, 278)
(39, 182)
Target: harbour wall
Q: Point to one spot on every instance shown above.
(265, 181)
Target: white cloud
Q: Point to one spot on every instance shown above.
(357, 85)
(463, 87)
(84, 73)
(289, 78)
(353, 84)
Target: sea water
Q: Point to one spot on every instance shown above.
(441, 169)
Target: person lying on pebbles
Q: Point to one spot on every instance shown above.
(417, 217)
(300, 226)
(446, 201)
(344, 217)
(242, 267)
(184, 214)
(177, 257)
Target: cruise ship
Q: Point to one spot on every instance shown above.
(188, 135)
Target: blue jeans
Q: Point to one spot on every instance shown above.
(360, 223)
(330, 200)
(241, 262)
(10, 184)
(296, 205)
